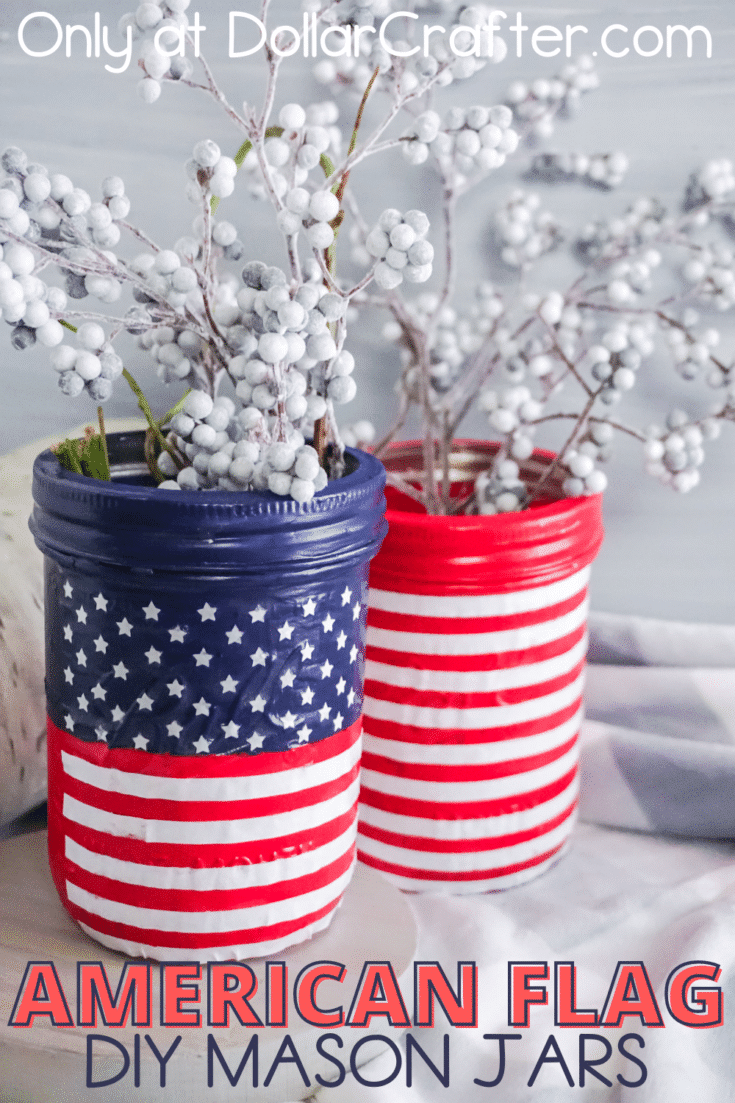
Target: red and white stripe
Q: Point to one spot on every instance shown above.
(473, 705)
(211, 858)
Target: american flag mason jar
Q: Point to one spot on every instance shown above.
(476, 642)
(205, 657)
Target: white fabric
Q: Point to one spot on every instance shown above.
(616, 895)
(658, 762)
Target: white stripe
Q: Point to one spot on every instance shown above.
(473, 754)
(239, 952)
(462, 791)
(219, 922)
(210, 832)
(467, 888)
(221, 878)
(153, 787)
(479, 605)
(468, 718)
(477, 681)
(478, 643)
(454, 830)
(468, 862)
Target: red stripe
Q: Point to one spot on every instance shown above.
(409, 733)
(238, 764)
(463, 846)
(215, 900)
(481, 661)
(408, 622)
(458, 699)
(465, 810)
(200, 940)
(186, 811)
(447, 775)
(455, 875)
(205, 855)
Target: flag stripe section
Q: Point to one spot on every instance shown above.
(477, 643)
(477, 681)
(538, 599)
(217, 863)
(472, 712)
(224, 946)
(501, 660)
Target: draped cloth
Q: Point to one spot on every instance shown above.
(659, 739)
(650, 876)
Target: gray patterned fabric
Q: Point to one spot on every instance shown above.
(658, 743)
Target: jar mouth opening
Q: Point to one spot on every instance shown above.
(128, 465)
(468, 459)
(131, 523)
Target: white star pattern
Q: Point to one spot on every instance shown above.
(67, 589)
(115, 692)
(285, 631)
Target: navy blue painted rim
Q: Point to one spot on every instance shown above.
(140, 527)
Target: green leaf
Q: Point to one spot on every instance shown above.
(85, 457)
